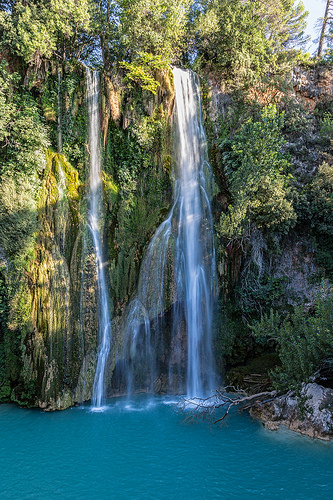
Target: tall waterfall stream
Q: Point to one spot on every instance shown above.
(187, 234)
(94, 215)
(195, 255)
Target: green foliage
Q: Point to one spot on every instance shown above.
(326, 128)
(142, 71)
(153, 26)
(18, 215)
(284, 22)
(306, 60)
(298, 122)
(244, 40)
(260, 293)
(232, 339)
(10, 339)
(23, 140)
(320, 200)
(316, 208)
(23, 136)
(35, 29)
(231, 39)
(3, 299)
(304, 339)
(143, 192)
(258, 176)
(74, 118)
(4, 311)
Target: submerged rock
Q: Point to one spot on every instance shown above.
(310, 414)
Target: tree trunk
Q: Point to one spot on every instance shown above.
(329, 4)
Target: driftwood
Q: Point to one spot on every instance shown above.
(202, 408)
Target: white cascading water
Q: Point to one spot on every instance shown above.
(140, 348)
(95, 210)
(195, 255)
(195, 258)
(188, 231)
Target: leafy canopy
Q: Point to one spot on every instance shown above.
(51, 27)
(142, 71)
(244, 40)
(153, 26)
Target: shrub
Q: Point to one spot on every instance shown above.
(304, 339)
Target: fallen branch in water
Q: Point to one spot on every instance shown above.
(201, 408)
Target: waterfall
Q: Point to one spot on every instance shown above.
(95, 209)
(185, 237)
(140, 347)
(195, 255)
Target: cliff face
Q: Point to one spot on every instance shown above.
(264, 268)
(52, 323)
(313, 85)
(58, 352)
(49, 327)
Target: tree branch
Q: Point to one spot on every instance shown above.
(201, 408)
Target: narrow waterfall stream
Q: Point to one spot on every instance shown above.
(59, 129)
(94, 215)
(185, 237)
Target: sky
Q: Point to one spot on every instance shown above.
(316, 9)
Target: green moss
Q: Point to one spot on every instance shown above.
(111, 190)
(137, 189)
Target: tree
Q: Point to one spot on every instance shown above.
(304, 339)
(23, 141)
(257, 174)
(23, 137)
(153, 26)
(284, 23)
(105, 22)
(326, 28)
(230, 38)
(46, 29)
(244, 40)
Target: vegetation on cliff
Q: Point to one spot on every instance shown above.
(270, 145)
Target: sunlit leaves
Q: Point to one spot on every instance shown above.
(45, 28)
(142, 70)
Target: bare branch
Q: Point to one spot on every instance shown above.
(202, 408)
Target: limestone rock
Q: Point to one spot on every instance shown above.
(313, 84)
(310, 414)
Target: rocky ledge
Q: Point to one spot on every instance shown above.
(311, 413)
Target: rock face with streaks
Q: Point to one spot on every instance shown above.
(49, 322)
(309, 414)
(313, 84)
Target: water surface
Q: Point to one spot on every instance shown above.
(144, 450)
